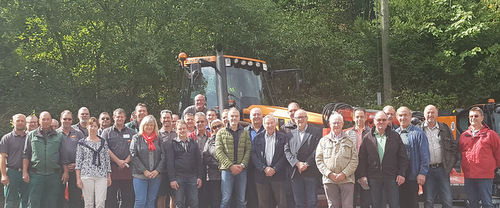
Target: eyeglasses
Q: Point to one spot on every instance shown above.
(217, 127)
(300, 117)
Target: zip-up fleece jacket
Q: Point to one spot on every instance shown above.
(480, 153)
(224, 148)
(45, 152)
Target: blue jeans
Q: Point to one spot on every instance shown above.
(479, 190)
(305, 191)
(187, 189)
(390, 187)
(146, 191)
(233, 183)
(437, 182)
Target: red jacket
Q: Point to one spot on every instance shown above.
(480, 153)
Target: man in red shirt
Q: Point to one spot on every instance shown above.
(480, 149)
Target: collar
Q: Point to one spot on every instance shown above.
(305, 129)
(38, 132)
(17, 135)
(163, 130)
(337, 137)
(435, 126)
(407, 129)
(177, 139)
(250, 128)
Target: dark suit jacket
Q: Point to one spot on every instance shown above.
(304, 151)
(258, 157)
(395, 161)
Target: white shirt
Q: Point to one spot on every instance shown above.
(434, 139)
(270, 146)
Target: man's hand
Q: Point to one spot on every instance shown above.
(301, 166)
(5, 180)
(65, 177)
(198, 182)
(26, 177)
(363, 181)
(421, 179)
(122, 164)
(269, 171)
(174, 185)
(71, 167)
(339, 177)
(79, 183)
(236, 169)
(109, 181)
(400, 180)
(331, 176)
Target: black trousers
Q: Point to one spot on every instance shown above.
(124, 189)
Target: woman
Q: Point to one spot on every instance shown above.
(93, 168)
(184, 167)
(212, 164)
(147, 161)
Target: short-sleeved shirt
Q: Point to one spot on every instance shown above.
(85, 131)
(70, 142)
(119, 141)
(13, 145)
(167, 136)
(192, 109)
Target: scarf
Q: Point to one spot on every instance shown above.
(150, 140)
(96, 160)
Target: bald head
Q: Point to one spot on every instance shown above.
(19, 122)
(380, 122)
(430, 114)
(45, 121)
(256, 117)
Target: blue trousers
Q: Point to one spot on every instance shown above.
(146, 191)
(187, 193)
(437, 182)
(479, 190)
(305, 191)
(233, 184)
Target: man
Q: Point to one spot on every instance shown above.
(443, 149)
(199, 106)
(224, 116)
(391, 114)
(287, 128)
(417, 148)
(254, 128)
(300, 153)
(54, 124)
(480, 149)
(268, 158)
(104, 122)
(141, 111)
(290, 125)
(189, 119)
(200, 134)
(83, 117)
(232, 147)
(11, 164)
(357, 133)
(338, 176)
(45, 160)
(31, 122)
(382, 163)
(211, 116)
(166, 134)
(175, 118)
(71, 136)
(118, 137)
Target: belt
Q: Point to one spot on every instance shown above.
(16, 169)
(437, 165)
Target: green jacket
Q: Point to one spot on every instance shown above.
(45, 152)
(224, 148)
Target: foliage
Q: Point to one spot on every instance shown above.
(104, 54)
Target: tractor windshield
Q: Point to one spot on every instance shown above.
(244, 87)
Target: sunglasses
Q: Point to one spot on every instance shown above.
(217, 127)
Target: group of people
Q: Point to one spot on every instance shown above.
(199, 160)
